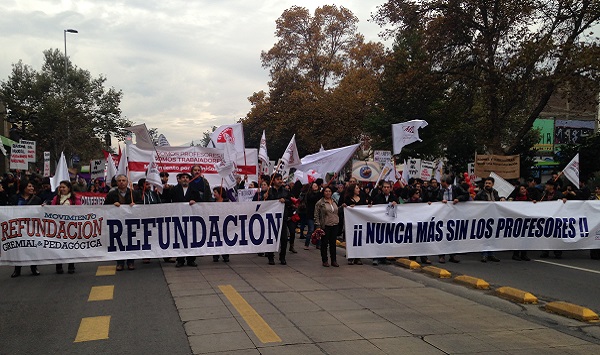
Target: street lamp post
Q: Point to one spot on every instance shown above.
(69, 30)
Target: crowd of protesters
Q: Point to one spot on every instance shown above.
(312, 211)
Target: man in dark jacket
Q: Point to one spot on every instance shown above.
(119, 196)
(185, 192)
(277, 191)
(454, 194)
(488, 193)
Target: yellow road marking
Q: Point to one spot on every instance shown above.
(101, 293)
(93, 328)
(106, 270)
(258, 325)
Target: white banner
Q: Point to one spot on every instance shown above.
(175, 160)
(61, 234)
(422, 229)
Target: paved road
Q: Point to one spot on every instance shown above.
(575, 278)
(249, 307)
(42, 315)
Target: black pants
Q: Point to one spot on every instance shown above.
(189, 259)
(283, 243)
(328, 240)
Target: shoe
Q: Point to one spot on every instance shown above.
(306, 248)
(119, 267)
(176, 265)
(525, 258)
(71, 270)
(282, 262)
(454, 260)
(225, 259)
(335, 264)
(544, 254)
(34, 270)
(292, 250)
(357, 262)
(146, 261)
(261, 254)
(350, 262)
(130, 267)
(516, 257)
(426, 261)
(326, 264)
(493, 258)
(16, 273)
(375, 262)
(318, 247)
(442, 259)
(271, 261)
(59, 269)
(215, 259)
(192, 263)
(169, 260)
(484, 259)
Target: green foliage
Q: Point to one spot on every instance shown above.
(73, 114)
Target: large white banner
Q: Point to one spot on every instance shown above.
(60, 234)
(181, 159)
(422, 229)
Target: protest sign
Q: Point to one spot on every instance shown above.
(97, 168)
(507, 166)
(18, 157)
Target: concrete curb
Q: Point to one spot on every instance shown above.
(409, 264)
(437, 272)
(472, 282)
(572, 311)
(516, 295)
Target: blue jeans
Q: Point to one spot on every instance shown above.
(310, 222)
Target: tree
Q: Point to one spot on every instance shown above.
(73, 114)
(493, 65)
(323, 82)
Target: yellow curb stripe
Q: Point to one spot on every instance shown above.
(437, 272)
(93, 328)
(258, 325)
(472, 282)
(516, 295)
(407, 263)
(572, 311)
(106, 270)
(101, 293)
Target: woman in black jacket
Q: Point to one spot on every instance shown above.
(25, 197)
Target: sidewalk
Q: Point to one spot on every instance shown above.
(347, 310)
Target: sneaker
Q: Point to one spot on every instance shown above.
(484, 259)
(493, 258)
(442, 260)
(357, 262)
(375, 262)
(119, 267)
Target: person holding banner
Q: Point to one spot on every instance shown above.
(313, 195)
(327, 219)
(119, 196)
(552, 193)
(184, 192)
(25, 197)
(219, 196)
(456, 194)
(386, 197)
(65, 197)
(200, 184)
(488, 193)
(354, 197)
(283, 195)
(149, 197)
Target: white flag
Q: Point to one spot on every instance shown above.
(111, 169)
(2, 149)
(438, 171)
(306, 177)
(327, 161)
(162, 141)
(142, 137)
(321, 149)
(405, 174)
(262, 151)
(571, 171)
(226, 172)
(61, 173)
(406, 133)
(503, 187)
(231, 135)
(122, 168)
(290, 157)
(153, 175)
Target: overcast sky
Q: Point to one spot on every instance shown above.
(183, 65)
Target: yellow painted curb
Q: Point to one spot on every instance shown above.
(409, 264)
(516, 295)
(472, 282)
(437, 272)
(572, 311)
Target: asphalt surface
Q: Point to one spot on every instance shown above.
(41, 315)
